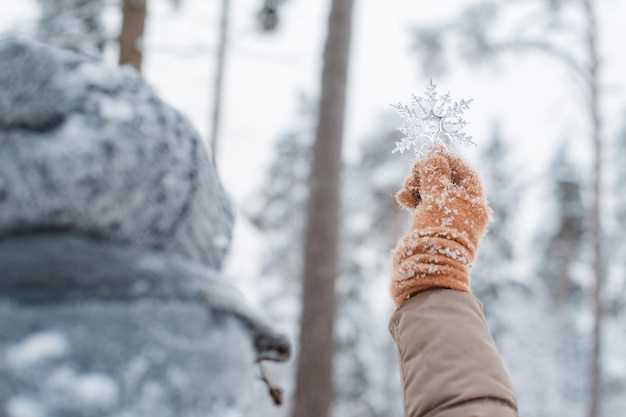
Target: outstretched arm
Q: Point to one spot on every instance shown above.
(449, 363)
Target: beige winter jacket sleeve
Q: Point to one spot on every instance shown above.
(448, 360)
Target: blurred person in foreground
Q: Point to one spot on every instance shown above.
(449, 363)
(114, 227)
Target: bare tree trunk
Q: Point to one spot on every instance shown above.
(596, 212)
(131, 36)
(314, 382)
(218, 84)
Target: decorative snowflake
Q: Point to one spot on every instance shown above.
(432, 120)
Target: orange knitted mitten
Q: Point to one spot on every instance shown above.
(450, 215)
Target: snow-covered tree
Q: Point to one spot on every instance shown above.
(494, 271)
(562, 268)
(73, 24)
(355, 344)
(563, 250)
(620, 206)
(514, 301)
(615, 387)
(278, 210)
(494, 266)
(362, 386)
(372, 224)
(381, 175)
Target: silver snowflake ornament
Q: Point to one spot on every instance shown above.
(432, 120)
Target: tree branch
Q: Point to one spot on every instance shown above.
(547, 49)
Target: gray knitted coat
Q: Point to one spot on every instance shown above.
(113, 230)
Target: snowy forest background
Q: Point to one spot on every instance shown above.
(547, 79)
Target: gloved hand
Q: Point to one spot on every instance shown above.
(450, 215)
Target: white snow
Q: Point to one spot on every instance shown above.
(97, 389)
(93, 389)
(115, 109)
(24, 407)
(95, 73)
(221, 241)
(151, 263)
(36, 348)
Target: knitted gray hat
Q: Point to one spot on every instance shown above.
(92, 150)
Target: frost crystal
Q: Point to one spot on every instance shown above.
(432, 120)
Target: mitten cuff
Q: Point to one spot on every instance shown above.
(431, 258)
(425, 276)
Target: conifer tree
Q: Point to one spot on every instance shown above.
(496, 255)
(362, 387)
(560, 268)
(75, 25)
(514, 300)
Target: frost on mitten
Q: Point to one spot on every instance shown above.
(450, 215)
